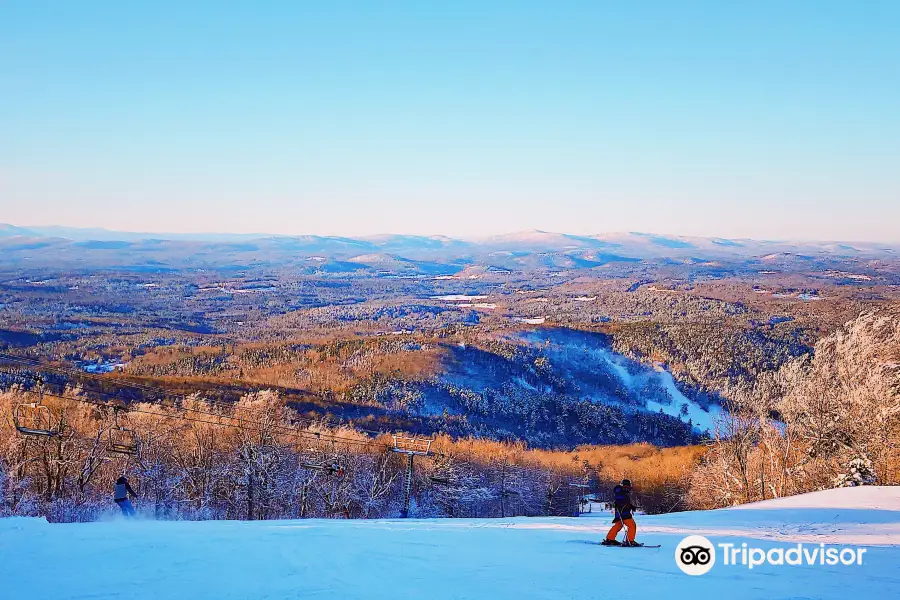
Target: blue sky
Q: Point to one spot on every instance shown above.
(736, 119)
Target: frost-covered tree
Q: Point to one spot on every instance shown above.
(832, 419)
(859, 472)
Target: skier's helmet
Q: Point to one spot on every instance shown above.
(626, 483)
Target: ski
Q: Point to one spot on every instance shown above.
(621, 546)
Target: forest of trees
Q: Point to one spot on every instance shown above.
(283, 410)
(253, 460)
(832, 419)
(462, 385)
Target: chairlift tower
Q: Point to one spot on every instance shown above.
(411, 447)
(582, 488)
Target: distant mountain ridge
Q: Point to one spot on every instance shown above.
(532, 239)
(408, 254)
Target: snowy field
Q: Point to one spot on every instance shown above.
(547, 558)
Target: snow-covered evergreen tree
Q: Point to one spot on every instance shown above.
(859, 472)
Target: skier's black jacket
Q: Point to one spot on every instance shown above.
(122, 490)
(622, 502)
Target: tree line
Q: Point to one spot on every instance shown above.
(826, 420)
(256, 459)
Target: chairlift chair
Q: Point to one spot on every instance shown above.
(122, 440)
(326, 467)
(33, 418)
(412, 445)
(319, 460)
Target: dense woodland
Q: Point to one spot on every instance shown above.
(271, 392)
(252, 460)
(830, 419)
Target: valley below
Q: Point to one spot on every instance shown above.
(533, 350)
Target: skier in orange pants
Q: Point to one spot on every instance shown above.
(617, 527)
(624, 517)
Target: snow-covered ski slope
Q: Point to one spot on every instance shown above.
(545, 558)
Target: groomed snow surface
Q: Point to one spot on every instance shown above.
(547, 558)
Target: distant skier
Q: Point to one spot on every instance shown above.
(121, 494)
(624, 516)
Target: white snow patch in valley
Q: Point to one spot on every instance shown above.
(532, 320)
(458, 297)
(227, 290)
(442, 559)
(702, 419)
(253, 290)
(484, 305)
(104, 367)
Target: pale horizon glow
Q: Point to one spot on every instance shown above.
(767, 121)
